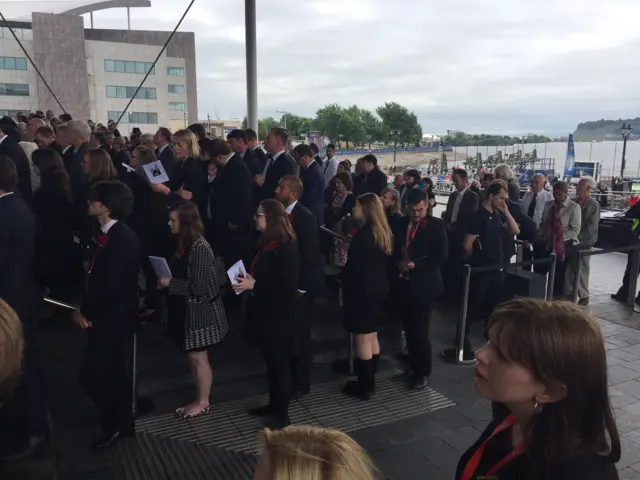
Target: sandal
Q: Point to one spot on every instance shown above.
(206, 410)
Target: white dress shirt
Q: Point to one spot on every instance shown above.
(541, 200)
(107, 226)
(271, 160)
(5, 194)
(161, 149)
(66, 149)
(2, 138)
(290, 208)
(456, 206)
(330, 168)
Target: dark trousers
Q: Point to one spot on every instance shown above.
(301, 361)
(105, 379)
(452, 271)
(486, 291)
(415, 312)
(623, 291)
(279, 381)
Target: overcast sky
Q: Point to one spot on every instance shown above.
(503, 66)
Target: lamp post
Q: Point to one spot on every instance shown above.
(284, 112)
(395, 134)
(626, 131)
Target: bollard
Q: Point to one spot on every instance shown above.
(457, 354)
(551, 279)
(576, 278)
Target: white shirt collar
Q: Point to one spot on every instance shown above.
(276, 155)
(242, 154)
(107, 226)
(290, 208)
(3, 137)
(8, 193)
(161, 149)
(66, 149)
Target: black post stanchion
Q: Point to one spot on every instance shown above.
(633, 277)
(134, 371)
(576, 278)
(457, 354)
(552, 277)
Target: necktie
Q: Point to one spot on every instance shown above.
(532, 206)
(268, 164)
(412, 234)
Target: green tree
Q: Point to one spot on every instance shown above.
(374, 130)
(266, 124)
(329, 120)
(402, 125)
(296, 125)
(352, 127)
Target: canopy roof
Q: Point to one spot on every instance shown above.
(21, 10)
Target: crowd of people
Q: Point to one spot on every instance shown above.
(81, 220)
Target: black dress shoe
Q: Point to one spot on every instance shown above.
(618, 297)
(274, 423)
(263, 411)
(418, 383)
(109, 439)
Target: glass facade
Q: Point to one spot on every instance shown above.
(176, 89)
(177, 106)
(175, 71)
(14, 89)
(127, 66)
(13, 63)
(140, 118)
(13, 113)
(113, 91)
(21, 33)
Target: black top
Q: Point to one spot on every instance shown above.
(305, 225)
(586, 466)
(365, 274)
(373, 182)
(14, 151)
(487, 226)
(313, 190)
(190, 176)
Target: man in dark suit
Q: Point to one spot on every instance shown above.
(46, 138)
(231, 204)
(164, 151)
(311, 279)
(63, 141)
(9, 146)
(238, 141)
(372, 179)
(19, 288)
(462, 205)
(79, 136)
(252, 141)
(420, 250)
(316, 154)
(109, 310)
(312, 180)
(279, 162)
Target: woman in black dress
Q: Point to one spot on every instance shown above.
(53, 206)
(273, 278)
(545, 365)
(196, 316)
(365, 286)
(188, 181)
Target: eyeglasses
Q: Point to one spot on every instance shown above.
(258, 214)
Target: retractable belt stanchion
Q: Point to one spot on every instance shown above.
(457, 354)
(552, 277)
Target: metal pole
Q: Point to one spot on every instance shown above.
(633, 277)
(456, 354)
(134, 375)
(350, 350)
(615, 153)
(32, 62)
(576, 278)
(519, 254)
(91, 17)
(252, 64)
(624, 156)
(590, 151)
(552, 277)
(60, 304)
(128, 19)
(164, 47)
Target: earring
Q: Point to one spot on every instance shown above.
(537, 408)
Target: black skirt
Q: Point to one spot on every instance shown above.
(362, 316)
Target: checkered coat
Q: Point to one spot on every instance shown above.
(206, 321)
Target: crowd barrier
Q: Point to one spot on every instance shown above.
(445, 148)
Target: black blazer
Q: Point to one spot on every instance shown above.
(318, 159)
(67, 158)
(250, 159)
(76, 175)
(190, 176)
(305, 226)
(313, 190)
(468, 207)
(168, 160)
(273, 302)
(18, 284)
(375, 182)
(111, 301)
(13, 150)
(430, 242)
(284, 165)
(148, 220)
(364, 277)
(261, 157)
(231, 202)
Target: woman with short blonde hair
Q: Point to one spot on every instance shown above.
(311, 453)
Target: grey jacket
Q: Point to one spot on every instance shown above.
(590, 222)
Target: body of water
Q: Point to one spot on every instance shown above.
(609, 154)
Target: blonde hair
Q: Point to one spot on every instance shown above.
(190, 139)
(374, 215)
(396, 207)
(11, 347)
(312, 453)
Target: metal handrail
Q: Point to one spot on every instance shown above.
(336, 235)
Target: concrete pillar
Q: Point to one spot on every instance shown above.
(252, 64)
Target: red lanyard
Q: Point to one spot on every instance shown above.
(473, 463)
(412, 229)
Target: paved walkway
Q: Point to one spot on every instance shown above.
(409, 435)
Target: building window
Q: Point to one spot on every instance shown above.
(127, 66)
(147, 93)
(177, 106)
(175, 71)
(21, 33)
(176, 88)
(13, 113)
(13, 63)
(14, 89)
(140, 118)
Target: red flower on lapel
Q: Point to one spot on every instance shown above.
(102, 240)
(353, 231)
(272, 245)
(290, 217)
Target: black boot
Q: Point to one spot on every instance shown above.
(354, 387)
(361, 388)
(376, 363)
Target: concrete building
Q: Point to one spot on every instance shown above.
(95, 72)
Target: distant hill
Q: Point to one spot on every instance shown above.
(605, 129)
